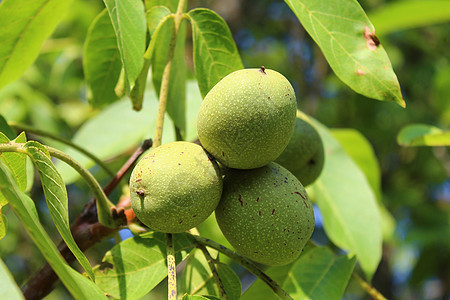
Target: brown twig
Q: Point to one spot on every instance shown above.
(86, 230)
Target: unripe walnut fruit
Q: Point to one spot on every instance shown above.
(175, 187)
(247, 118)
(304, 155)
(265, 214)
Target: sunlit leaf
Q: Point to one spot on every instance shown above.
(101, 60)
(406, 14)
(128, 20)
(197, 297)
(171, 4)
(9, 289)
(24, 25)
(319, 274)
(56, 198)
(78, 285)
(3, 224)
(115, 130)
(347, 39)
(215, 52)
(350, 213)
(423, 135)
(155, 16)
(135, 266)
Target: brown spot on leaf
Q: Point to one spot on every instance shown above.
(105, 265)
(372, 41)
(360, 72)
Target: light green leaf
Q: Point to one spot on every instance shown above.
(3, 226)
(171, 4)
(101, 61)
(56, 198)
(16, 163)
(115, 130)
(197, 278)
(319, 274)
(176, 98)
(350, 213)
(79, 286)
(155, 16)
(406, 14)
(215, 52)
(347, 39)
(135, 266)
(423, 135)
(9, 289)
(128, 20)
(24, 25)
(196, 297)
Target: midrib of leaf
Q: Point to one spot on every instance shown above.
(311, 15)
(322, 276)
(21, 35)
(338, 216)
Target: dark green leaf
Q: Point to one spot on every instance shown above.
(56, 198)
(423, 135)
(78, 285)
(9, 289)
(6, 129)
(101, 63)
(24, 26)
(135, 266)
(16, 163)
(319, 274)
(400, 15)
(176, 98)
(215, 52)
(128, 20)
(115, 130)
(347, 39)
(350, 213)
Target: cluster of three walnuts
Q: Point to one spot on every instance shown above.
(245, 122)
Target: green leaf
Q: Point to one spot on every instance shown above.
(319, 274)
(115, 130)
(215, 52)
(79, 286)
(406, 14)
(197, 278)
(128, 20)
(171, 4)
(350, 213)
(16, 163)
(155, 17)
(135, 266)
(6, 129)
(101, 61)
(24, 26)
(347, 39)
(423, 135)
(196, 297)
(3, 224)
(56, 198)
(176, 98)
(9, 289)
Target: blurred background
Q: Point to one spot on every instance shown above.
(51, 95)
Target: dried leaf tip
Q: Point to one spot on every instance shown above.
(262, 70)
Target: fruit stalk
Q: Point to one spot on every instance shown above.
(163, 94)
(171, 268)
(276, 288)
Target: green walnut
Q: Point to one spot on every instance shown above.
(247, 118)
(265, 214)
(175, 187)
(304, 155)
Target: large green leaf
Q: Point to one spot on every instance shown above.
(79, 286)
(350, 213)
(215, 52)
(347, 39)
(319, 274)
(197, 278)
(6, 129)
(16, 163)
(128, 20)
(101, 61)
(3, 224)
(406, 14)
(423, 135)
(171, 4)
(24, 25)
(135, 266)
(115, 130)
(9, 289)
(176, 94)
(56, 198)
